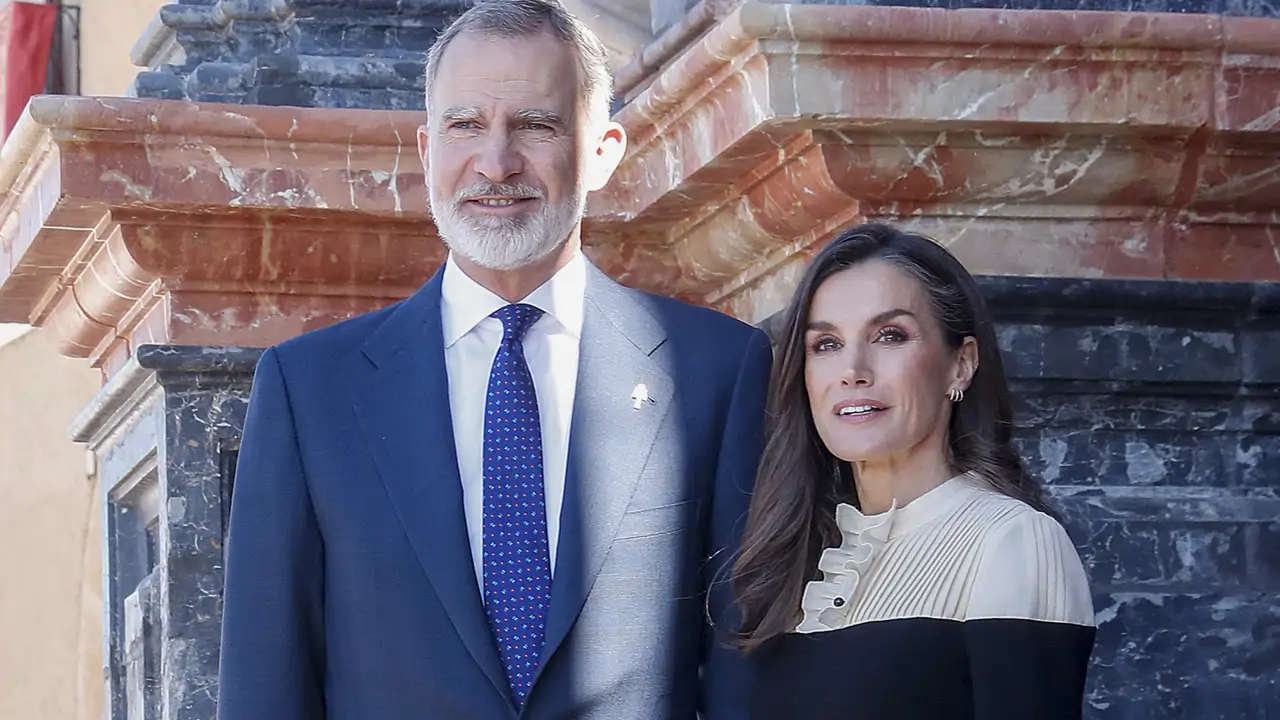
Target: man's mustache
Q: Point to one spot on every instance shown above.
(489, 189)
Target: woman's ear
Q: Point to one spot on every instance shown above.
(966, 364)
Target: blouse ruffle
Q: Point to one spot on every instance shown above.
(828, 603)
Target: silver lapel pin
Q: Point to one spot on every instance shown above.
(640, 396)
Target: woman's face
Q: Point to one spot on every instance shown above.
(877, 368)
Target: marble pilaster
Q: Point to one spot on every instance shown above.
(166, 431)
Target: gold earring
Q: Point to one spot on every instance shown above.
(956, 395)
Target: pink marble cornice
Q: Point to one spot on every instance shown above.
(1032, 142)
(178, 222)
(158, 153)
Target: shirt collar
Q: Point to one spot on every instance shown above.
(465, 302)
(900, 520)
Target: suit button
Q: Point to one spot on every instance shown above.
(838, 602)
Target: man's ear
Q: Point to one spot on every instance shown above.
(424, 141)
(604, 157)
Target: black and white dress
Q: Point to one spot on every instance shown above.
(964, 603)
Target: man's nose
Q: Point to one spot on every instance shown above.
(497, 160)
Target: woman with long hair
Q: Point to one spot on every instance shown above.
(898, 560)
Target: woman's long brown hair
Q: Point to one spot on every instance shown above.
(799, 483)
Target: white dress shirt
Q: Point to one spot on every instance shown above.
(551, 345)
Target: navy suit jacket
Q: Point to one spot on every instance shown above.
(350, 590)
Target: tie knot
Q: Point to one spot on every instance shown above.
(516, 320)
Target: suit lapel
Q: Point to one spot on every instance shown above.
(403, 411)
(609, 440)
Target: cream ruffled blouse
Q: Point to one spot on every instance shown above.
(960, 551)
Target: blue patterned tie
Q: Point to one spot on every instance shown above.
(517, 571)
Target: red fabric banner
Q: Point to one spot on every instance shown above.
(26, 35)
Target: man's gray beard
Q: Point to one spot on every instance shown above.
(506, 243)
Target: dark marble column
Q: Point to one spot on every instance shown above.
(1152, 410)
(166, 430)
(302, 53)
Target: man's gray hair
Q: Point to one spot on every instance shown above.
(525, 18)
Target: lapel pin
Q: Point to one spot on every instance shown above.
(640, 396)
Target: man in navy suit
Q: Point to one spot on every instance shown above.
(515, 493)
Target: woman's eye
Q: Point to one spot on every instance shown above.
(891, 334)
(825, 344)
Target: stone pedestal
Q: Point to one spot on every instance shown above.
(1117, 175)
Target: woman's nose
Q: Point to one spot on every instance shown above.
(857, 372)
